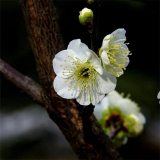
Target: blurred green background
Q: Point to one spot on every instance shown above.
(26, 130)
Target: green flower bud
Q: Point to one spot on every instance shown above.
(90, 1)
(85, 15)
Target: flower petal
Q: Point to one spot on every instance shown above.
(123, 59)
(106, 83)
(118, 34)
(100, 107)
(138, 126)
(95, 61)
(61, 86)
(112, 71)
(104, 103)
(142, 118)
(83, 98)
(79, 48)
(105, 44)
(86, 97)
(127, 106)
(96, 98)
(61, 61)
(105, 58)
(113, 98)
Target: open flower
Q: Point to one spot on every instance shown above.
(119, 117)
(80, 75)
(114, 52)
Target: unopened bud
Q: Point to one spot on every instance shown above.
(90, 1)
(85, 15)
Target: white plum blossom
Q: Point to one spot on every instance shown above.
(80, 75)
(114, 52)
(119, 116)
(126, 105)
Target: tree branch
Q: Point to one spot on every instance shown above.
(25, 83)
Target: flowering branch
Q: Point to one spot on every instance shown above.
(46, 41)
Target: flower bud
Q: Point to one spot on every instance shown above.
(90, 1)
(85, 15)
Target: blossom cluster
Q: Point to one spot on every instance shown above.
(87, 77)
(84, 76)
(119, 117)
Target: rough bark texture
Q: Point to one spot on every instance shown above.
(82, 131)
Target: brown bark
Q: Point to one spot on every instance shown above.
(82, 131)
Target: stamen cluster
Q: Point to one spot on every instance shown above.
(81, 74)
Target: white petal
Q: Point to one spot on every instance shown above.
(120, 34)
(98, 111)
(95, 61)
(61, 86)
(100, 107)
(79, 48)
(126, 62)
(105, 58)
(86, 98)
(104, 103)
(127, 106)
(142, 118)
(105, 43)
(112, 71)
(62, 61)
(138, 125)
(124, 48)
(83, 98)
(126, 59)
(106, 83)
(113, 98)
(96, 98)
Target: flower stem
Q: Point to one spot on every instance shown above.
(93, 29)
(92, 42)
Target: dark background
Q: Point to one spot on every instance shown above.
(141, 79)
